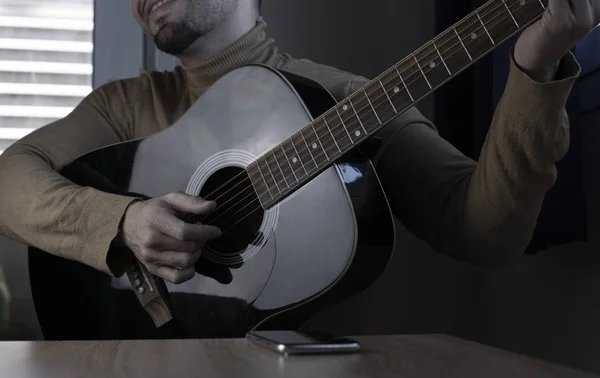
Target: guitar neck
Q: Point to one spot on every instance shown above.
(316, 147)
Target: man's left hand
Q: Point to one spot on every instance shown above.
(541, 46)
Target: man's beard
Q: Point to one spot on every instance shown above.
(175, 38)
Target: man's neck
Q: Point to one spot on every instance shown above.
(220, 38)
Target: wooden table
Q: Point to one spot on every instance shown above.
(381, 357)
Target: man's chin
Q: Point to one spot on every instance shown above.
(174, 39)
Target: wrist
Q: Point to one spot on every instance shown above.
(128, 219)
(120, 256)
(536, 70)
(543, 74)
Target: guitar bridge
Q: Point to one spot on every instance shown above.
(151, 292)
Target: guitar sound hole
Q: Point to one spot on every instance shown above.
(238, 213)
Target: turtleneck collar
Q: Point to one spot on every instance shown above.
(253, 47)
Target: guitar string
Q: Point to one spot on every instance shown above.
(353, 121)
(241, 201)
(413, 65)
(237, 195)
(340, 123)
(324, 147)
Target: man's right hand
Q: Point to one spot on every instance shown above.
(165, 244)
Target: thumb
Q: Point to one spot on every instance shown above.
(186, 203)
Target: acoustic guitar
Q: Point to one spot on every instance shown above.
(306, 222)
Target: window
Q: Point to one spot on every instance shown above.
(45, 62)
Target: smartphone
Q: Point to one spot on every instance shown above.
(297, 342)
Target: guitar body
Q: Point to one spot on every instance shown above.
(324, 243)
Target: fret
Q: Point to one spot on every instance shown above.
(258, 182)
(344, 126)
(499, 20)
(350, 122)
(320, 141)
(484, 28)
(395, 90)
(413, 79)
(378, 105)
(279, 184)
(267, 176)
(364, 111)
(330, 146)
(450, 47)
(404, 83)
(433, 66)
(277, 171)
(338, 130)
(371, 105)
(357, 117)
(387, 95)
(296, 161)
(304, 153)
(511, 15)
(328, 143)
(542, 4)
(525, 11)
(421, 69)
(441, 57)
(474, 36)
(315, 145)
(462, 43)
(307, 145)
(289, 163)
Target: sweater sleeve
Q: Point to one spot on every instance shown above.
(43, 209)
(482, 212)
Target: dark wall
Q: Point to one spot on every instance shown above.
(363, 37)
(547, 305)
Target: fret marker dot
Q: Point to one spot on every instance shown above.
(345, 107)
(396, 89)
(357, 133)
(432, 64)
(522, 2)
(294, 160)
(473, 35)
(314, 145)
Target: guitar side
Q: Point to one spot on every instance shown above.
(69, 296)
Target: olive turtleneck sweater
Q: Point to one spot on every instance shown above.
(477, 211)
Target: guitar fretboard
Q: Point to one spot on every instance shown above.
(314, 148)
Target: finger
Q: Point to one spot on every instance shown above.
(175, 259)
(172, 244)
(581, 9)
(185, 203)
(180, 230)
(155, 240)
(559, 7)
(178, 260)
(171, 274)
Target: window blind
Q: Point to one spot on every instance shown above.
(46, 68)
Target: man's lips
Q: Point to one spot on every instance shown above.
(153, 5)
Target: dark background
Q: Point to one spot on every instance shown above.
(544, 306)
